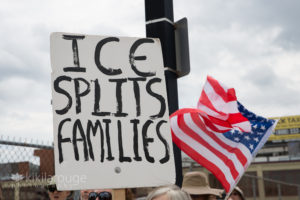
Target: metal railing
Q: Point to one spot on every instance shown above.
(277, 182)
(20, 176)
(252, 184)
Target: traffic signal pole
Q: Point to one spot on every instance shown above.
(160, 24)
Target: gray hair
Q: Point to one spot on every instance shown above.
(173, 192)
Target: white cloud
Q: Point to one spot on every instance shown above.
(249, 45)
(246, 56)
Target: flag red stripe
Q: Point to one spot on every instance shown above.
(241, 157)
(205, 101)
(226, 96)
(215, 170)
(203, 133)
(212, 126)
(187, 130)
(219, 122)
(195, 116)
(222, 102)
(236, 118)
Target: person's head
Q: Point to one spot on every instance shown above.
(196, 184)
(54, 194)
(96, 194)
(168, 193)
(236, 194)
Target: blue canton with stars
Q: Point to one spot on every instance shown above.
(259, 127)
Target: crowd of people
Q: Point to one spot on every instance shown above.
(195, 186)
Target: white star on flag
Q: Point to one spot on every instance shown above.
(247, 137)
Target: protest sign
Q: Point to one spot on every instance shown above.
(110, 113)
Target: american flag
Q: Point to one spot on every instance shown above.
(220, 134)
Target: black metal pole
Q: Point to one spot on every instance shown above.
(159, 24)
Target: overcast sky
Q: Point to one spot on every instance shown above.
(252, 45)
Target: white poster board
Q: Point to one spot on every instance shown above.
(110, 113)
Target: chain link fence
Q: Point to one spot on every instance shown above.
(25, 169)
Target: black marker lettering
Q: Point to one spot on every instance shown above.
(109, 155)
(162, 139)
(158, 97)
(136, 90)
(78, 94)
(78, 126)
(97, 101)
(135, 139)
(92, 128)
(133, 58)
(147, 140)
(60, 139)
(58, 89)
(122, 158)
(77, 67)
(119, 83)
(107, 71)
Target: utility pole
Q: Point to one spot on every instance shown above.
(160, 24)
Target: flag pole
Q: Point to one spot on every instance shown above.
(160, 24)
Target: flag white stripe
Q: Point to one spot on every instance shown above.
(231, 156)
(218, 102)
(222, 128)
(243, 125)
(202, 150)
(219, 127)
(217, 112)
(207, 127)
(211, 112)
(224, 86)
(245, 151)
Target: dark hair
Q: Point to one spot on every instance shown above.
(52, 188)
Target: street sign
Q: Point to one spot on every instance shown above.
(182, 48)
(110, 113)
(287, 122)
